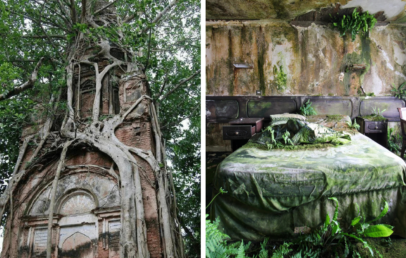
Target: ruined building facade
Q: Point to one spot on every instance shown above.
(87, 211)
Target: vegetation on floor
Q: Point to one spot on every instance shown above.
(330, 240)
(393, 141)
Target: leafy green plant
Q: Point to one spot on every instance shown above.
(393, 141)
(221, 191)
(281, 77)
(282, 250)
(353, 125)
(354, 23)
(286, 138)
(399, 92)
(307, 109)
(331, 236)
(378, 111)
(272, 133)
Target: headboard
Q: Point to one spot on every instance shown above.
(222, 109)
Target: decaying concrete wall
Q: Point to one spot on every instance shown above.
(312, 60)
(288, 9)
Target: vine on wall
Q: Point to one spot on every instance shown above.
(354, 23)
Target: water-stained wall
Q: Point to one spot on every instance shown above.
(311, 60)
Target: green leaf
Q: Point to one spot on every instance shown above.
(379, 230)
(383, 213)
(336, 209)
(355, 221)
(327, 222)
(336, 228)
(362, 241)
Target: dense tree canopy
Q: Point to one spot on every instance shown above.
(162, 37)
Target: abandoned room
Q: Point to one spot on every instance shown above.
(304, 128)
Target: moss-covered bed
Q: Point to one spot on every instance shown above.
(279, 192)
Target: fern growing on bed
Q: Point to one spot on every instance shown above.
(353, 125)
(307, 109)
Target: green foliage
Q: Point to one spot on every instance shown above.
(354, 23)
(221, 191)
(393, 141)
(168, 51)
(277, 143)
(282, 250)
(399, 92)
(307, 109)
(353, 125)
(281, 78)
(263, 253)
(377, 111)
(217, 246)
(374, 117)
(216, 241)
(332, 237)
(286, 138)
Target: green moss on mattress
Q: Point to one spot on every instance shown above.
(374, 118)
(334, 118)
(290, 147)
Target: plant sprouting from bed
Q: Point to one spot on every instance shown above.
(286, 138)
(271, 132)
(307, 109)
(353, 125)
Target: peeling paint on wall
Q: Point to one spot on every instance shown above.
(313, 59)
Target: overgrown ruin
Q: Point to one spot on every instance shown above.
(94, 183)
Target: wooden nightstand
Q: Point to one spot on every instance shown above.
(241, 130)
(376, 130)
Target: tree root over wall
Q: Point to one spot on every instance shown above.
(101, 135)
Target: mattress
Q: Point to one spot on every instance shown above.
(277, 193)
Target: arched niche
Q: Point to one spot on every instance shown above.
(86, 217)
(102, 190)
(78, 227)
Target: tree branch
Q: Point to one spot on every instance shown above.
(73, 11)
(25, 86)
(43, 37)
(180, 119)
(84, 10)
(179, 84)
(105, 7)
(162, 14)
(149, 50)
